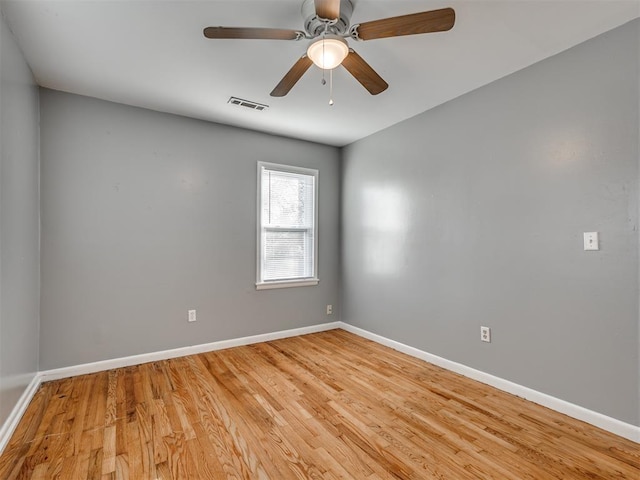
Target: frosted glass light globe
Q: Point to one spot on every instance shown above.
(328, 52)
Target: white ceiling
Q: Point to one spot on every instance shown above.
(152, 54)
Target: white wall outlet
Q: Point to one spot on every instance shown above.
(329, 309)
(192, 316)
(485, 334)
(591, 241)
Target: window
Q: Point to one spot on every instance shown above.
(287, 226)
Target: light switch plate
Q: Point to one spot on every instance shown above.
(591, 241)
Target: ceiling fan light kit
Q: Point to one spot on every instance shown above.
(327, 24)
(328, 52)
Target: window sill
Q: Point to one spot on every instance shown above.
(287, 284)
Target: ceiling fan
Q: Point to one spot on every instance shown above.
(327, 25)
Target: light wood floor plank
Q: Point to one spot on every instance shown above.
(323, 406)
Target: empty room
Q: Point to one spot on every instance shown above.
(319, 239)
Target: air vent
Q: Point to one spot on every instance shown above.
(247, 103)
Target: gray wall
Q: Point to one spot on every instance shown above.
(146, 215)
(19, 224)
(472, 214)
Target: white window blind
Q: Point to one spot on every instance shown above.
(286, 225)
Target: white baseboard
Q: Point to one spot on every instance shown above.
(102, 365)
(605, 422)
(10, 424)
(7, 429)
(612, 425)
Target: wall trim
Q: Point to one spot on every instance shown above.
(610, 424)
(99, 366)
(617, 427)
(10, 424)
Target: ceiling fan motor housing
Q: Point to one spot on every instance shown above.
(315, 26)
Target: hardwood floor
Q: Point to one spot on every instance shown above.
(324, 406)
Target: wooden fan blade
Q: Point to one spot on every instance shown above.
(423, 22)
(329, 9)
(252, 33)
(363, 72)
(292, 77)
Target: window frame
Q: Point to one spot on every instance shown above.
(296, 282)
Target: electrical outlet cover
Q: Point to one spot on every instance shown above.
(485, 334)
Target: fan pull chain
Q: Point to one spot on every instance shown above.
(324, 82)
(331, 88)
